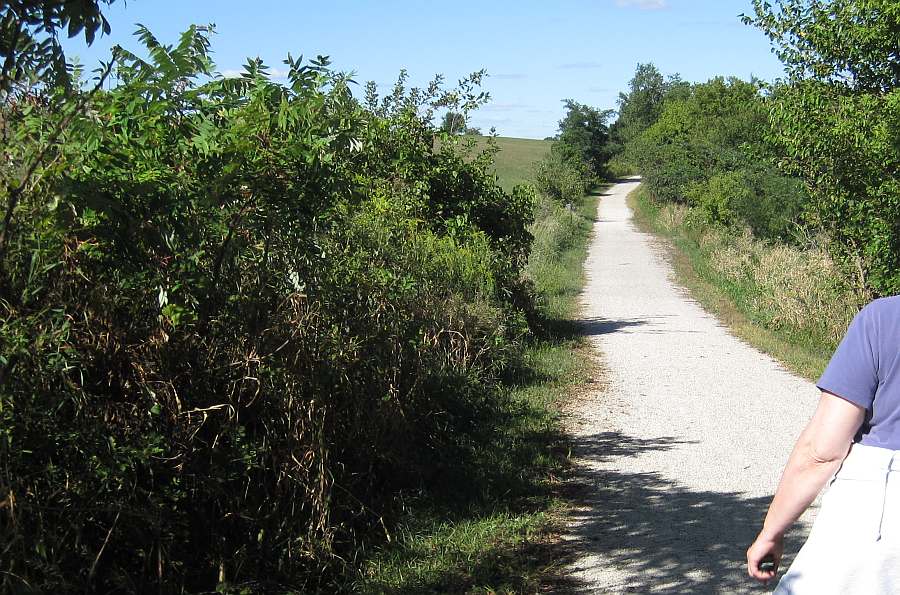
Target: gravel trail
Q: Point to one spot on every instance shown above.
(682, 446)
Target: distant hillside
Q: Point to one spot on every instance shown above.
(516, 158)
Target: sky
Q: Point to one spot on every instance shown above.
(536, 53)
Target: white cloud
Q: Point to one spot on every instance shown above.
(643, 4)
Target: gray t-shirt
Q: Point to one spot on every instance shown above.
(865, 369)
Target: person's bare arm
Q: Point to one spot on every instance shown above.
(821, 447)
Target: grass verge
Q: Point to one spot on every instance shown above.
(731, 302)
(495, 531)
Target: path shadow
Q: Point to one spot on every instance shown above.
(592, 327)
(614, 181)
(606, 446)
(670, 538)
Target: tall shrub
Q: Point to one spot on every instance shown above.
(562, 180)
(236, 318)
(835, 120)
(709, 148)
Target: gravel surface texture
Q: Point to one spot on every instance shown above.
(681, 448)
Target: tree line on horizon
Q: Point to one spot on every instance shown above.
(811, 157)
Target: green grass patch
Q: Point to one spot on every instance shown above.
(514, 164)
(516, 159)
(495, 529)
(732, 302)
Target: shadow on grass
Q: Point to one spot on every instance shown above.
(674, 539)
(481, 525)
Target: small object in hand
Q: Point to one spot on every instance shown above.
(767, 564)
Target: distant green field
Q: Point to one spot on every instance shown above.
(514, 162)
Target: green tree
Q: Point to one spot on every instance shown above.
(29, 36)
(697, 134)
(641, 105)
(584, 136)
(708, 149)
(836, 123)
(454, 123)
(851, 43)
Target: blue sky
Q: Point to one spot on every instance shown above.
(537, 53)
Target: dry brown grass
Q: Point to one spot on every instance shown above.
(798, 289)
(790, 302)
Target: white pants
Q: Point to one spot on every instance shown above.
(854, 545)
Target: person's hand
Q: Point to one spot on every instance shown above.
(764, 546)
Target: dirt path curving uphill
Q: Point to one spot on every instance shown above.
(680, 450)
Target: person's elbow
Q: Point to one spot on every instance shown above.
(830, 433)
(826, 453)
(823, 448)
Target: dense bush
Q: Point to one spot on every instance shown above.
(769, 204)
(619, 167)
(717, 197)
(835, 123)
(237, 318)
(669, 169)
(849, 156)
(560, 179)
(708, 149)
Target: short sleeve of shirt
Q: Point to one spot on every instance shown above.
(852, 373)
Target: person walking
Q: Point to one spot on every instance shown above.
(852, 445)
